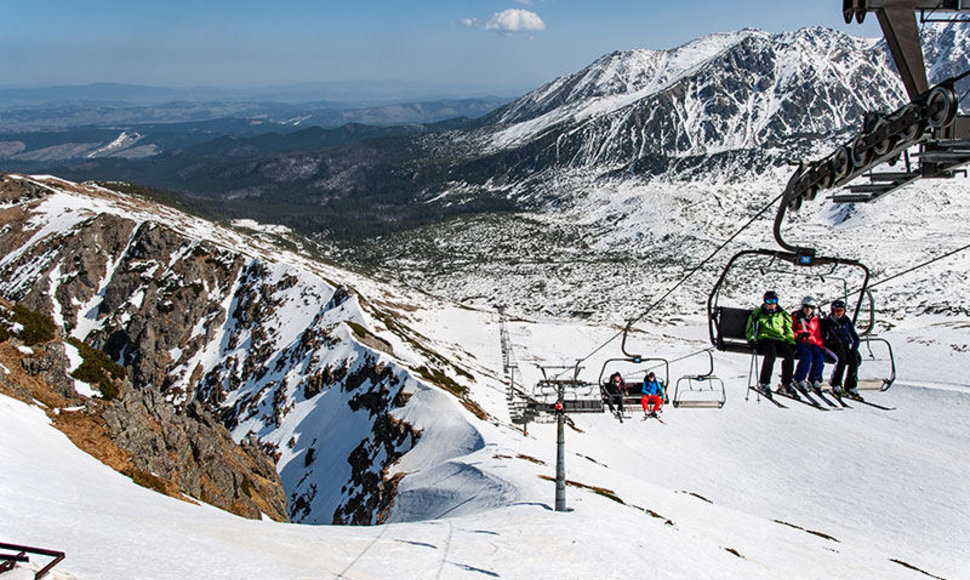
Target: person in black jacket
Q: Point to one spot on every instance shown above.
(613, 392)
(840, 337)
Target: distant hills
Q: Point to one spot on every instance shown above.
(726, 106)
(327, 94)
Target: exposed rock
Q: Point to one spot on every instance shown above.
(145, 437)
(49, 363)
(195, 451)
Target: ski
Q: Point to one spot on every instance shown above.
(838, 398)
(772, 399)
(652, 416)
(807, 400)
(877, 406)
(825, 399)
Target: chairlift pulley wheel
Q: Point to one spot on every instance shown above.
(914, 126)
(885, 142)
(806, 183)
(858, 153)
(941, 106)
(840, 163)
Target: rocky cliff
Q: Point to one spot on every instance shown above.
(183, 453)
(214, 334)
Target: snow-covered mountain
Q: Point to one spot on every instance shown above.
(723, 92)
(282, 349)
(381, 403)
(741, 92)
(747, 491)
(635, 168)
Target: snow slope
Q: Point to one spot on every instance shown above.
(793, 492)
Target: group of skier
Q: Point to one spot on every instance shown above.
(651, 393)
(773, 333)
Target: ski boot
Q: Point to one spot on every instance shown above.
(764, 389)
(790, 390)
(817, 388)
(853, 394)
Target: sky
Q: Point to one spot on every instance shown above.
(509, 45)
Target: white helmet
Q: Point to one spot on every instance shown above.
(810, 301)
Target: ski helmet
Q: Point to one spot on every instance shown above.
(770, 295)
(838, 305)
(810, 301)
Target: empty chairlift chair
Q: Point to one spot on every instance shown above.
(700, 391)
(577, 396)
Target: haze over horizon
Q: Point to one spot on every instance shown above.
(465, 46)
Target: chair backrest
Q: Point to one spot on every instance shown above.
(731, 326)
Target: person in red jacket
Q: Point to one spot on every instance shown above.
(807, 327)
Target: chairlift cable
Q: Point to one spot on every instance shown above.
(918, 266)
(693, 271)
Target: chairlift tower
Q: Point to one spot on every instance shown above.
(509, 364)
(519, 409)
(931, 123)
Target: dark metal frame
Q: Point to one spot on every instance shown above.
(931, 119)
(21, 556)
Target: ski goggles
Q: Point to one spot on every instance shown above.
(771, 301)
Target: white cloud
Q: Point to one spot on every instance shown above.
(511, 21)
(515, 20)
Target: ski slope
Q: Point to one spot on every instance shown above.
(748, 491)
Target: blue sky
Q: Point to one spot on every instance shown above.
(509, 45)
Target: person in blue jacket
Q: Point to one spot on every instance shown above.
(653, 395)
(842, 340)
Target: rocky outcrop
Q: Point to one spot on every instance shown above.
(180, 452)
(193, 450)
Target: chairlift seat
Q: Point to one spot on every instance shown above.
(711, 396)
(699, 404)
(731, 324)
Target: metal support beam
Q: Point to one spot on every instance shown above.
(561, 451)
(901, 30)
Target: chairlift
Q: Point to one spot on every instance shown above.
(635, 375)
(700, 391)
(577, 396)
(727, 324)
(881, 355)
(879, 383)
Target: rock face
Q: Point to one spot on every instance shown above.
(181, 452)
(217, 339)
(196, 452)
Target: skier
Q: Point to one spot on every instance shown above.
(840, 337)
(653, 395)
(613, 391)
(808, 344)
(769, 332)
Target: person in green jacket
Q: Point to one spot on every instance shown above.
(769, 331)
